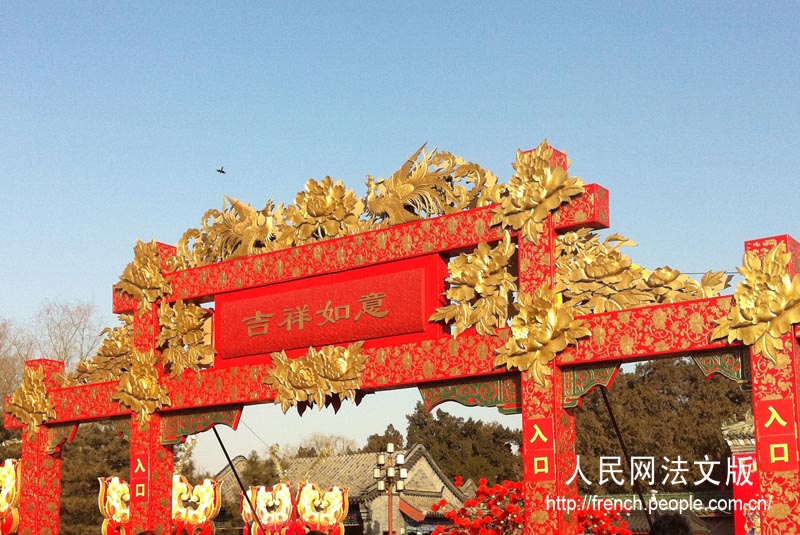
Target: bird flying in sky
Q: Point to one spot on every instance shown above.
(221, 170)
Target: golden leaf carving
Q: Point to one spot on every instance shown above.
(534, 192)
(322, 509)
(596, 277)
(238, 230)
(142, 278)
(427, 184)
(183, 337)
(767, 305)
(139, 389)
(540, 330)
(112, 359)
(324, 210)
(30, 402)
(480, 289)
(194, 507)
(320, 373)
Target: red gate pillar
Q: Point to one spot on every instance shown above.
(40, 488)
(776, 398)
(548, 430)
(152, 463)
(152, 466)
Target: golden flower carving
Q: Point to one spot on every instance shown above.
(112, 359)
(331, 370)
(139, 389)
(596, 277)
(767, 305)
(142, 278)
(534, 192)
(540, 330)
(480, 289)
(428, 184)
(30, 402)
(183, 337)
(324, 210)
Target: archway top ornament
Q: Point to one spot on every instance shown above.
(767, 304)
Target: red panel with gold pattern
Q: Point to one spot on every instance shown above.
(382, 301)
(152, 466)
(775, 403)
(40, 491)
(649, 331)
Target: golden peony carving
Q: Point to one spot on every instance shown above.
(596, 276)
(534, 192)
(183, 337)
(112, 359)
(324, 210)
(428, 184)
(30, 402)
(540, 330)
(767, 305)
(480, 287)
(139, 389)
(320, 373)
(142, 278)
(238, 230)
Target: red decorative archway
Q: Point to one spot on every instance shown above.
(439, 243)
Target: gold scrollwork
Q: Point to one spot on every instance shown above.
(596, 277)
(480, 289)
(540, 330)
(114, 502)
(534, 192)
(324, 210)
(320, 373)
(183, 337)
(767, 305)
(112, 359)
(427, 184)
(142, 278)
(30, 402)
(139, 389)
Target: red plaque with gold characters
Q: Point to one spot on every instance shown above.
(384, 301)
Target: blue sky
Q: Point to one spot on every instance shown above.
(114, 116)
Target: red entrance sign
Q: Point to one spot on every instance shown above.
(361, 304)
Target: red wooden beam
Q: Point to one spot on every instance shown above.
(636, 334)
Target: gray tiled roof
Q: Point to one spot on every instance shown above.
(353, 471)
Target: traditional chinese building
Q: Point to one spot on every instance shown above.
(413, 512)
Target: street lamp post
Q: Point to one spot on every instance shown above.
(391, 476)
